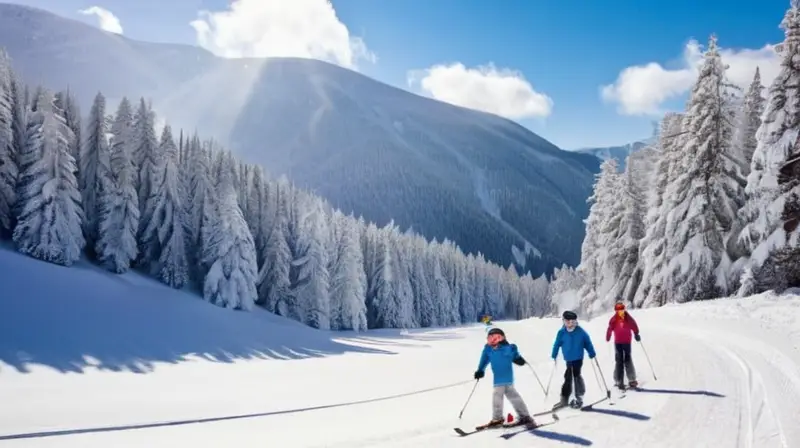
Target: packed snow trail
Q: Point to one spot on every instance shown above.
(87, 350)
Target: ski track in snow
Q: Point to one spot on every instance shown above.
(728, 376)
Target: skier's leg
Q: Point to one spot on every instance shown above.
(618, 365)
(580, 386)
(516, 400)
(630, 370)
(566, 388)
(497, 402)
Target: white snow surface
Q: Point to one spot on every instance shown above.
(91, 359)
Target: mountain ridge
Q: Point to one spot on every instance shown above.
(370, 148)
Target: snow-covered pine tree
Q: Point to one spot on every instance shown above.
(401, 280)
(310, 280)
(164, 246)
(8, 156)
(594, 250)
(763, 234)
(231, 279)
(653, 246)
(624, 248)
(382, 311)
(95, 170)
(145, 158)
(72, 114)
(424, 306)
(201, 212)
(118, 220)
(348, 282)
(705, 191)
(49, 221)
(273, 278)
(748, 122)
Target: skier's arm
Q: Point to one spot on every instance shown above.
(587, 343)
(556, 346)
(516, 358)
(634, 325)
(610, 329)
(484, 359)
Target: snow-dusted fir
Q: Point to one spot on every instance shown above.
(95, 168)
(273, 278)
(348, 281)
(653, 245)
(704, 192)
(8, 158)
(145, 158)
(50, 215)
(776, 136)
(747, 123)
(163, 240)
(118, 219)
(233, 273)
(201, 211)
(309, 272)
(600, 231)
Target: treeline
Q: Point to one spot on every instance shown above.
(113, 189)
(713, 209)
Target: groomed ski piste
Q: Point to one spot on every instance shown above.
(90, 359)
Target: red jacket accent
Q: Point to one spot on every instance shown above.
(622, 328)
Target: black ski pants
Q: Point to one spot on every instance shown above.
(623, 365)
(573, 374)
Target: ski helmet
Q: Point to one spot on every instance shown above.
(619, 306)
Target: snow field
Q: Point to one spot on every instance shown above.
(728, 374)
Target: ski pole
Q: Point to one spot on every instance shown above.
(608, 392)
(549, 381)
(648, 361)
(468, 398)
(537, 378)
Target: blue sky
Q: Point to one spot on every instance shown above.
(566, 50)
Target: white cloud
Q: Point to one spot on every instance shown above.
(265, 28)
(502, 92)
(642, 89)
(105, 18)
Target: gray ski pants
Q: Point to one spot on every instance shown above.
(513, 396)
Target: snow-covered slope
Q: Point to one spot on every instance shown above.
(480, 180)
(89, 359)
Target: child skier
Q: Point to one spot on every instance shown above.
(500, 354)
(572, 340)
(622, 325)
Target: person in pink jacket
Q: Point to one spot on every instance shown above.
(623, 325)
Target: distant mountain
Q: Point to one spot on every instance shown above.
(617, 152)
(480, 180)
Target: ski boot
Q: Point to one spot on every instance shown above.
(620, 385)
(577, 403)
(527, 421)
(633, 384)
(561, 404)
(494, 423)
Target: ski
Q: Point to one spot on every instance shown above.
(528, 426)
(530, 429)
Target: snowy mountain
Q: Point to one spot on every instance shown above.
(620, 153)
(157, 367)
(482, 181)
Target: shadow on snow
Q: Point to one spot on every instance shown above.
(71, 318)
(619, 413)
(681, 392)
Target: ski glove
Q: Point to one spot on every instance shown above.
(520, 361)
(637, 337)
(478, 374)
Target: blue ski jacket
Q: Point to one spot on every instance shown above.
(572, 343)
(500, 358)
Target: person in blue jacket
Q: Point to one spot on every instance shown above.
(572, 340)
(500, 354)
